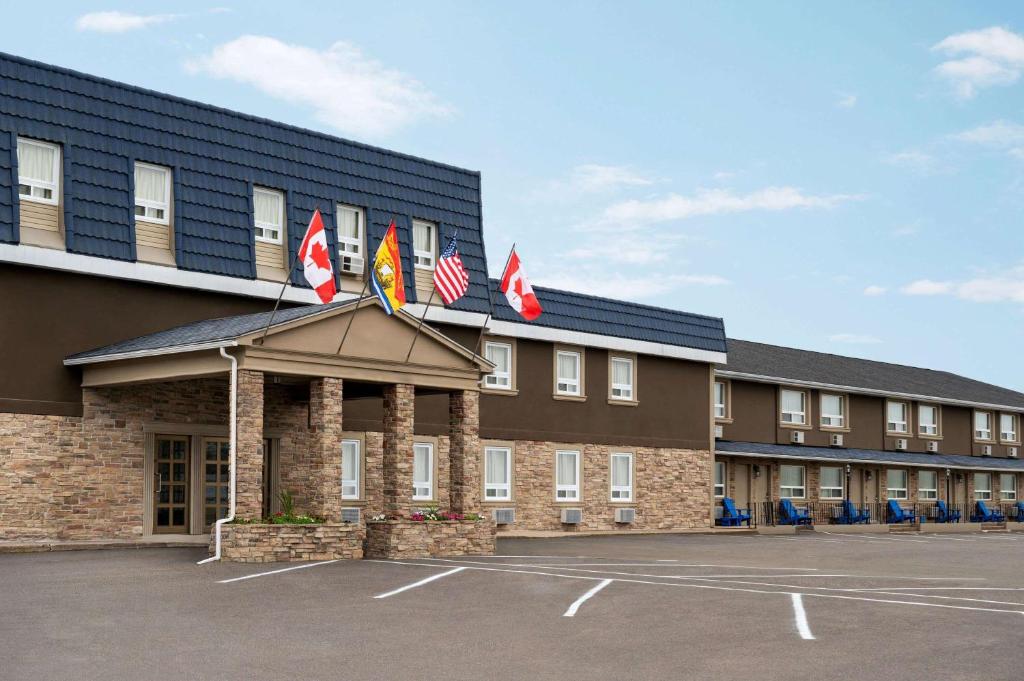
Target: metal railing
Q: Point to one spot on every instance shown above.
(823, 513)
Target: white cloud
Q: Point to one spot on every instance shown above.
(632, 252)
(1001, 135)
(626, 287)
(846, 100)
(927, 287)
(592, 177)
(919, 162)
(119, 22)
(346, 89)
(996, 287)
(984, 58)
(907, 230)
(874, 290)
(724, 175)
(854, 338)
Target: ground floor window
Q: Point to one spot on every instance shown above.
(567, 476)
(350, 465)
(982, 486)
(896, 483)
(927, 485)
(831, 482)
(622, 477)
(497, 474)
(1008, 486)
(719, 479)
(791, 482)
(216, 475)
(422, 471)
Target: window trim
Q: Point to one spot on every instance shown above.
(359, 241)
(921, 488)
(907, 414)
(509, 472)
(1002, 489)
(146, 203)
(889, 489)
(844, 406)
(358, 480)
(257, 225)
(633, 399)
(726, 399)
(806, 424)
(803, 482)
(1016, 428)
(612, 487)
(511, 389)
(54, 186)
(991, 424)
(431, 466)
(974, 481)
(720, 465)
(938, 421)
(416, 253)
(581, 355)
(578, 487)
(822, 487)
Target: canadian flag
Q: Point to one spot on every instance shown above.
(316, 261)
(518, 291)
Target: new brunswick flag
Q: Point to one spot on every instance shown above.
(386, 275)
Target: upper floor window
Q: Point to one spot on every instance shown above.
(927, 485)
(350, 469)
(422, 471)
(833, 411)
(152, 193)
(791, 482)
(896, 420)
(719, 479)
(497, 473)
(351, 237)
(1008, 427)
(622, 477)
(500, 355)
(622, 378)
(831, 482)
(568, 372)
(1008, 486)
(721, 408)
(794, 407)
(38, 171)
(983, 486)
(567, 476)
(424, 243)
(268, 211)
(982, 425)
(896, 483)
(928, 419)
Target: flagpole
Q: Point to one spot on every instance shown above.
(281, 295)
(353, 315)
(433, 290)
(490, 312)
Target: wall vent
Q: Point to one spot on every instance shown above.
(933, 446)
(504, 516)
(572, 516)
(797, 437)
(1011, 451)
(901, 444)
(719, 432)
(351, 264)
(986, 450)
(836, 440)
(350, 515)
(625, 515)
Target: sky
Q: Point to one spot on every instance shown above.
(840, 177)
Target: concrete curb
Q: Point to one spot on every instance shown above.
(47, 546)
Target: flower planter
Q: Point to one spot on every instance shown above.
(270, 543)
(429, 538)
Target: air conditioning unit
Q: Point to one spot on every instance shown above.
(350, 515)
(986, 450)
(351, 264)
(933, 446)
(504, 516)
(625, 515)
(797, 437)
(836, 440)
(719, 432)
(901, 444)
(572, 516)
(1011, 451)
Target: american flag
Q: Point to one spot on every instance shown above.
(450, 278)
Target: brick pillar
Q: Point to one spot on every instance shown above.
(464, 468)
(249, 446)
(399, 412)
(324, 485)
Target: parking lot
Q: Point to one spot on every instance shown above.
(822, 605)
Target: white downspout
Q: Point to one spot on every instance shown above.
(233, 424)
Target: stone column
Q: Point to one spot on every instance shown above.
(325, 420)
(249, 446)
(399, 412)
(464, 457)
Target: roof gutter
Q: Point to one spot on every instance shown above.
(758, 378)
(805, 457)
(172, 350)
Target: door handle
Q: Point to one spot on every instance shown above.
(159, 483)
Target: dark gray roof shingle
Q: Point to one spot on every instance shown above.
(868, 455)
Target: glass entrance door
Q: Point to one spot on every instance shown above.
(216, 477)
(171, 484)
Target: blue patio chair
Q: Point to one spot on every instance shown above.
(1020, 511)
(944, 515)
(983, 515)
(896, 515)
(733, 517)
(849, 515)
(789, 515)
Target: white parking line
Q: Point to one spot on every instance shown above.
(571, 612)
(276, 572)
(420, 583)
(702, 565)
(800, 615)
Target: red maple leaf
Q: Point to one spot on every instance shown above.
(318, 254)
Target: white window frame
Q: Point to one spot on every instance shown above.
(833, 492)
(983, 434)
(802, 487)
(625, 492)
(926, 429)
(425, 260)
(721, 410)
(145, 204)
(428, 484)
(927, 493)
(498, 380)
(36, 183)
(266, 226)
(353, 483)
(982, 493)
(719, 482)
(567, 493)
(898, 427)
(1008, 435)
(789, 418)
(351, 247)
(833, 420)
(898, 493)
(572, 385)
(503, 491)
(1004, 493)
(625, 389)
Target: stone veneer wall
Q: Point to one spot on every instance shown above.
(270, 543)
(423, 539)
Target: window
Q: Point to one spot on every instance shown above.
(719, 479)
(567, 476)
(500, 355)
(794, 409)
(622, 378)
(622, 477)
(38, 171)
(720, 403)
(982, 425)
(422, 471)
(567, 380)
(896, 483)
(927, 485)
(152, 193)
(1008, 486)
(424, 238)
(928, 419)
(832, 411)
(982, 486)
(497, 473)
(350, 467)
(896, 419)
(351, 228)
(791, 482)
(268, 211)
(1008, 427)
(831, 482)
